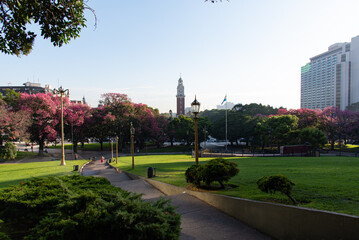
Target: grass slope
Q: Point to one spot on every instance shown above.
(11, 174)
(325, 183)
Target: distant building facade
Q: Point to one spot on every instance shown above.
(180, 98)
(332, 78)
(83, 101)
(28, 87)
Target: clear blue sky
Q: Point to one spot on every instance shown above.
(250, 50)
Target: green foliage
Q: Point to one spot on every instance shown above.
(76, 207)
(193, 176)
(220, 170)
(255, 109)
(314, 136)
(3, 236)
(60, 21)
(11, 97)
(277, 127)
(217, 169)
(9, 151)
(280, 183)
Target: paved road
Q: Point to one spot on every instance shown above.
(199, 220)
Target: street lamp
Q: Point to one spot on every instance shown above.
(195, 110)
(111, 149)
(116, 148)
(132, 131)
(62, 91)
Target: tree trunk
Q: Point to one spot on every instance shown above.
(75, 147)
(101, 144)
(41, 147)
(292, 199)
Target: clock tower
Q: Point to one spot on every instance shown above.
(180, 97)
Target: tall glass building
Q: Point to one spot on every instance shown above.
(332, 78)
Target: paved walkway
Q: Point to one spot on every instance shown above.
(199, 220)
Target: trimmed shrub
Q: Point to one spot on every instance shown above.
(9, 151)
(76, 207)
(193, 175)
(3, 236)
(217, 169)
(280, 183)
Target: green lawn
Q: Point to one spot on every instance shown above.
(11, 174)
(21, 155)
(326, 183)
(147, 149)
(177, 148)
(87, 146)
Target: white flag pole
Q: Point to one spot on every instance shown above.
(226, 123)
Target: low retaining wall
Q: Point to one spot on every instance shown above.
(276, 220)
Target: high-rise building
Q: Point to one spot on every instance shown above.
(332, 78)
(180, 98)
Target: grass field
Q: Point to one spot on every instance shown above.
(11, 174)
(21, 155)
(87, 146)
(147, 149)
(325, 183)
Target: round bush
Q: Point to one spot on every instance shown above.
(9, 151)
(217, 169)
(193, 175)
(220, 170)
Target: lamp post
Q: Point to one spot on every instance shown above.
(195, 110)
(72, 139)
(116, 149)
(132, 131)
(111, 149)
(62, 91)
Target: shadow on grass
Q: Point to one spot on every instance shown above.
(7, 184)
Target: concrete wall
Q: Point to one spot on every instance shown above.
(276, 220)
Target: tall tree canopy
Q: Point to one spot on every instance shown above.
(59, 20)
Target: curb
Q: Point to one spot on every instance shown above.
(81, 169)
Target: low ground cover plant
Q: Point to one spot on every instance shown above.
(274, 183)
(76, 207)
(217, 169)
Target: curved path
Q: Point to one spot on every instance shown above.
(199, 220)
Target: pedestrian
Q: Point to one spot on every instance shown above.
(102, 158)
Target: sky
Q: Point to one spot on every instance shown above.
(251, 51)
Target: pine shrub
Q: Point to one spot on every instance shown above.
(217, 169)
(9, 151)
(280, 183)
(193, 175)
(76, 207)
